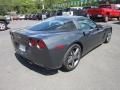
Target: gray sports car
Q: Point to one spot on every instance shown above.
(59, 41)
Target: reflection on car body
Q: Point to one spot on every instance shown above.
(59, 41)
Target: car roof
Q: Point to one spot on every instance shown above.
(69, 17)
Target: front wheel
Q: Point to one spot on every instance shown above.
(72, 58)
(108, 38)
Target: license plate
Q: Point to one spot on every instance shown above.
(22, 48)
(99, 15)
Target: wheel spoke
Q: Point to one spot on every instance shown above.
(76, 54)
(72, 53)
(73, 63)
(76, 51)
(73, 57)
(76, 62)
(70, 59)
(109, 36)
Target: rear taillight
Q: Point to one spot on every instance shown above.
(37, 43)
(40, 44)
(32, 42)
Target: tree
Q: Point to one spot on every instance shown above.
(20, 6)
(32, 6)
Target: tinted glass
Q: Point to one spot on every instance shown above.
(48, 24)
(54, 24)
(85, 24)
(90, 23)
(67, 26)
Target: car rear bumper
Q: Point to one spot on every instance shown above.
(41, 59)
(49, 59)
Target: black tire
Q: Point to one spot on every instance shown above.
(74, 55)
(106, 18)
(118, 18)
(3, 26)
(108, 38)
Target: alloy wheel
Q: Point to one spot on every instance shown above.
(108, 37)
(72, 57)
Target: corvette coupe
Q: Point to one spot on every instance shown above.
(60, 41)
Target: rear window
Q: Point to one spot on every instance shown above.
(67, 26)
(46, 25)
(53, 24)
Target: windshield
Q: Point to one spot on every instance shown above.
(104, 6)
(48, 24)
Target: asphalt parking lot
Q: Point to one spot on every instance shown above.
(98, 70)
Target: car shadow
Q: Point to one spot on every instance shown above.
(34, 67)
(41, 70)
(84, 55)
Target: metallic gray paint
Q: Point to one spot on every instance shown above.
(51, 57)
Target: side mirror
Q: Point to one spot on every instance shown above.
(98, 27)
(87, 32)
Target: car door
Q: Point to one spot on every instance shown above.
(92, 35)
(95, 30)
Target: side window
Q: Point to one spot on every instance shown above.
(67, 26)
(81, 25)
(84, 26)
(90, 23)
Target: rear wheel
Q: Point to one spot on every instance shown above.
(108, 38)
(3, 26)
(72, 58)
